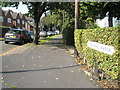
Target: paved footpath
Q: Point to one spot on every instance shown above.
(45, 66)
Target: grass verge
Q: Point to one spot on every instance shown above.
(1, 39)
(43, 41)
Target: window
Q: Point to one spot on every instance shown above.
(9, 20)
(23, 22)
(1, 19)
(18, 21)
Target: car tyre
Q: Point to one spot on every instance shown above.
(6, 42)
(30, 41)
(22, 42)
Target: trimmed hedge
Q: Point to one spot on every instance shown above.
(68, 36)
(3, 30)
(108, 36)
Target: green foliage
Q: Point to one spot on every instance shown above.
(108, 36)
(68, 33)
(43, 41)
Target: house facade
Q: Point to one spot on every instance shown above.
(8, 20)
(16, 20)
(2, 18)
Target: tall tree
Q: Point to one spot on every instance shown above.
(36, 9)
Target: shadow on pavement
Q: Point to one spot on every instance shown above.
(46, 69)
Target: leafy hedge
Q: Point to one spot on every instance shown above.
(3, 30)
(108, 36)
(68, 35)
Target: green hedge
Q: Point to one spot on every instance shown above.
(68, 36)
(108, 36)
(3, 30)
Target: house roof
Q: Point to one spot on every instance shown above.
(21, 15)
(29, 18)
(14, 14)
(5, 12)
(30, 21)
(1, 11)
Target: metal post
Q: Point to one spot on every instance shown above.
(76, 23)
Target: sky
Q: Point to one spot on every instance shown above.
(21, 8)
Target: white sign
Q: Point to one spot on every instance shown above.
(101, 47)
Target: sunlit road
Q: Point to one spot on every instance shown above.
(7, 47)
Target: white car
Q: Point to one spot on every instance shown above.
(49, 33)
(43, 34)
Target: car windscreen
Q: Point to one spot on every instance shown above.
(14, 32)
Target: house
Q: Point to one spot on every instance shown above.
(8, 18)
(22, 21)
(104, 22)
(29, 24)
(14, 15)
(16, 20)
(2, 18)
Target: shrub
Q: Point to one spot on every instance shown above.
(68, 34)
(108, 36)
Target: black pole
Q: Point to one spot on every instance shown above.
(76, 23)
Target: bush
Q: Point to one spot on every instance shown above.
(68, 34)
(108, 36)
(3, 30)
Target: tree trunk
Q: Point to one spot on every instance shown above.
(110, 20)
(36, 33)
(37, 19)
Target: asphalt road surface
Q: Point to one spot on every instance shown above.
(45, 66)
(7, 47)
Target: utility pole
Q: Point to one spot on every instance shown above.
(76, 14)
(76, 23)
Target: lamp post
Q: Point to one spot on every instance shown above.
(76, 23)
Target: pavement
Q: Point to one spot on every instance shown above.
(43, 66)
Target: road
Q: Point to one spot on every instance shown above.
(45, 66)
(7, 47)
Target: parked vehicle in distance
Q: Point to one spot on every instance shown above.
(31, 34)
(49, 33)
(17, 35)
(43, 34)
(53, 33)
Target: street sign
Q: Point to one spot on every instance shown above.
(101, 47)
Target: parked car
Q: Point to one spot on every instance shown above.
(31, 34)
(17, 35)
(49, 33)
(43, 34)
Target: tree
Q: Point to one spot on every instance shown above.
(112, 8)
(36, 9)
(99, 10)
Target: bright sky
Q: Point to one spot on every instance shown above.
(21, 8)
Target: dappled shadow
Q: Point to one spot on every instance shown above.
(45, 69)
(56, 42)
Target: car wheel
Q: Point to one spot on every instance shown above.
(22, 42)
(30, 41)
(6, 42)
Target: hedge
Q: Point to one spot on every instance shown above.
(3, 30)
(68, 36)
(108, 36)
